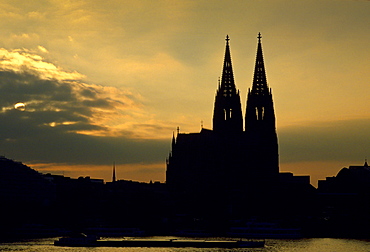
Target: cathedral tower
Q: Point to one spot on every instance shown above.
(227, 172)
(227, 115)
(260, 123)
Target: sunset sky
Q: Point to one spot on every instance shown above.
(110, 81)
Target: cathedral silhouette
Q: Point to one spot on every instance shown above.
(231, 170)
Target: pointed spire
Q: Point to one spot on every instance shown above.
(260, 128)
(173, 140)
(227, 115)
(366, 165)
(259, 86)
(227, 81)
(114, 172)
(259, 103)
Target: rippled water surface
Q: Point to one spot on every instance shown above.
(315, 244)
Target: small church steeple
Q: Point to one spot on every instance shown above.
(227, 115)
(114, 172)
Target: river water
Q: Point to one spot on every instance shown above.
(312, 244)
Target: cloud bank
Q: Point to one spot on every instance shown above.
(68, 121)
(341, 140)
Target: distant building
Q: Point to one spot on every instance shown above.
(32, 203)
(289, 178)
(344, 202)
(354, 179)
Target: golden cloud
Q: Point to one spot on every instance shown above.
(111, 111)
(20, 60)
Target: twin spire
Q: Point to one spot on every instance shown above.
(260, 114)
(227, 115)
(259, 79)
(228, 88)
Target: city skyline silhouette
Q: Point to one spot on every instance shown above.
(99, 88)
(220, 182)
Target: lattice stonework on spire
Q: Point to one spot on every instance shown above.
(260, 128)
(259, 80)
(260, 109)
(227, 111)
(227, 83)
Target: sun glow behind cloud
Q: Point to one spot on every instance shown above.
(20, 60)
(114, 111)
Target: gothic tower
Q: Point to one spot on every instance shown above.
(227, 115)
(260, 124)
(227, 172)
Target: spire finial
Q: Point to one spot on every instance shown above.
(227, 39)
(259, 37)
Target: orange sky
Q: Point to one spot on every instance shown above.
(107, 81)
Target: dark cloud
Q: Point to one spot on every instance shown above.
(48, 131)
(59, 146)
(42, 97)
(56, 111)
(41, 134)
(342, 140)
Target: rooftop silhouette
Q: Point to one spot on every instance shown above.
(223, 181)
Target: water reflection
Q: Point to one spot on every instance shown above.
(307, 245)
(318, 244)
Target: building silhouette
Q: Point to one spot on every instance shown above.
(344, 203)
(44, 205)
(231, 170)
(223, 181)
